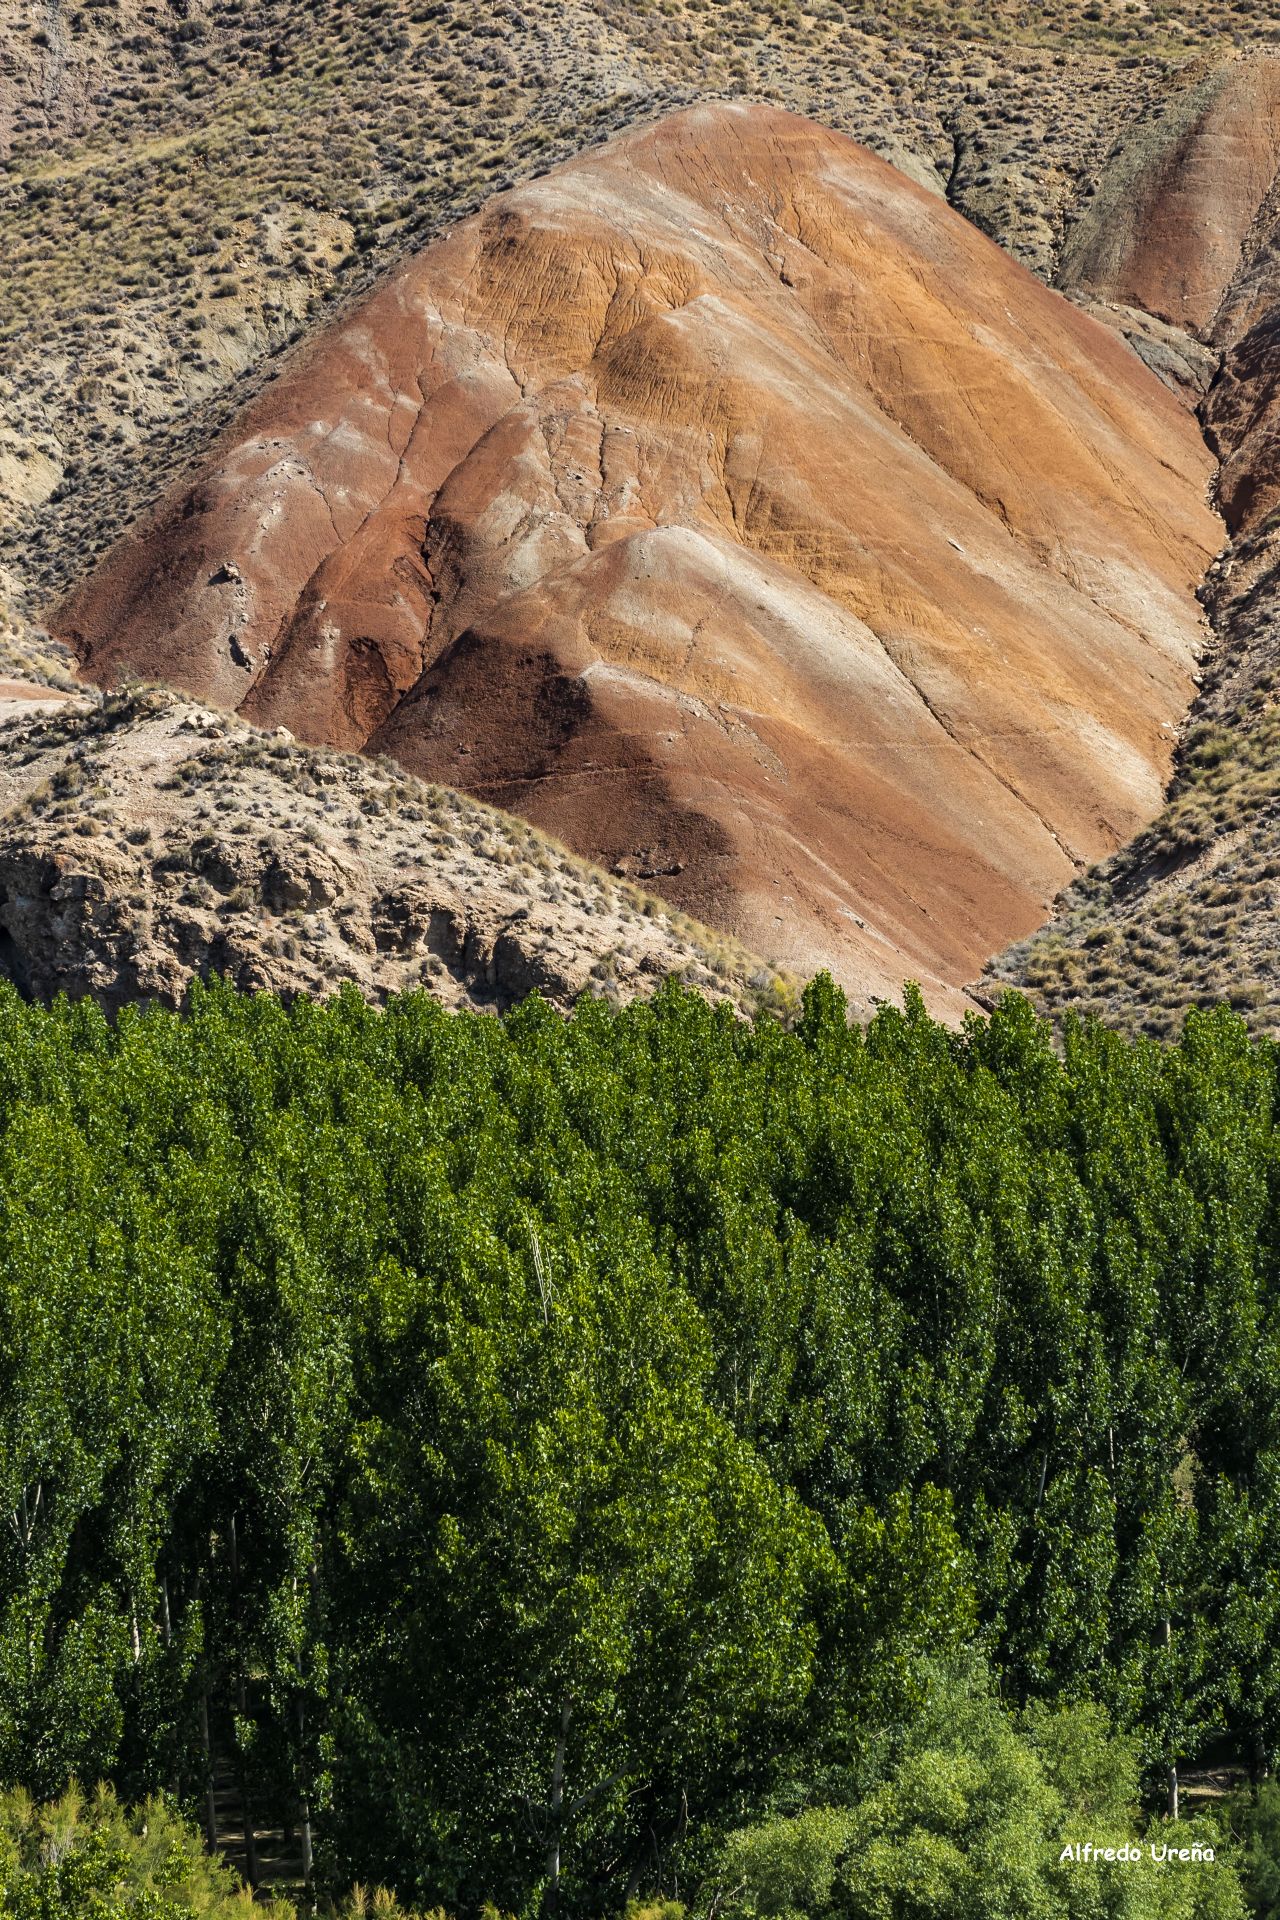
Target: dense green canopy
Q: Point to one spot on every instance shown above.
(538, 1446)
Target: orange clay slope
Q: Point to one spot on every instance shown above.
(1186, 226)
(1175, 212)
(728, 506)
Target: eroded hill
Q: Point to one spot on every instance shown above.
(731, 508)
(188, 187)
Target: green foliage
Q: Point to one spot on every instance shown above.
(1256, 1822)
(785, 1868)
(88, 1858)
(970, 1824)
(539, 1448)
(1093, 1771)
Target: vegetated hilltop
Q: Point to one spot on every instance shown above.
(1190, 912)
(146, 841)
(733, 509)
(190, 187)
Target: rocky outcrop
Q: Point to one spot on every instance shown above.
(1186, 365)
(180, 205)
(729, 507)
(147, 842)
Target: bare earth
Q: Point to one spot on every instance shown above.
(734, 510)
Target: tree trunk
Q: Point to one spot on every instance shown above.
(1172, 1775)
(1258, 1768)
(304, 1804)
(210, 1816)
(300, 1722)
(242, 1700)
(307, 1869)
(555, 1808)
(242, 1781)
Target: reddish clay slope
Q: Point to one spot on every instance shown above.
(1242, 410)
(1172, 217)
(1186, 225)
(727, 505)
